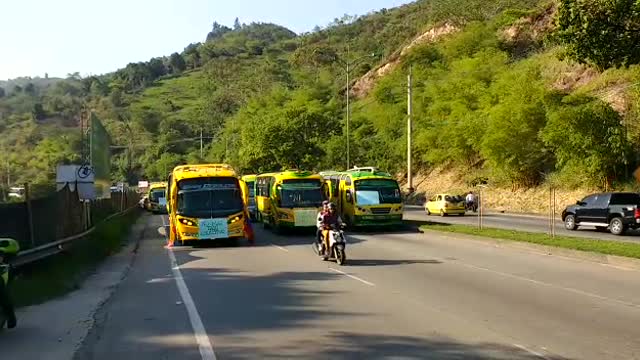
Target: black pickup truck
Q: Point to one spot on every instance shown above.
(616, 211)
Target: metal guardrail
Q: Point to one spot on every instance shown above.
(56, 247)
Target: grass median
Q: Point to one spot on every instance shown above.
(626, 249)
(65, 272)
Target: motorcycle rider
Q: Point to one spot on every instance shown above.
(325, 207)
(8, 247)
(330, 219)
(471, 200)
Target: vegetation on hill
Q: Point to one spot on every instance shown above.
(503, 95)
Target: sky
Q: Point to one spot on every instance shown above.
(93, 37)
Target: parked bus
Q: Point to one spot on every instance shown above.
(250, 180)
(206, 202)
(156, 201)
(365, 197)
(289, 199)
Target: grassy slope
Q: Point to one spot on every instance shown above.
(64, 273)
(626, 249)
(178, 97)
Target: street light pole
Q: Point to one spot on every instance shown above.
(348, 66)
(348, 115)
(409, 129)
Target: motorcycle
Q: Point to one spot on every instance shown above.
(471, 206)
(8, 249)
(337, 246)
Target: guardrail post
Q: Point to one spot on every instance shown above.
(27, 197)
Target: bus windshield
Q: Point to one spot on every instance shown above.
(209, 197)
(156, 194)
(252, 190)
(300, 193)
(377, 191)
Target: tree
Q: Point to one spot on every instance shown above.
(587, 136)
(236, 24)
(156, 67)
(38, 112)
(191, 56)
(3, 93)
(17, 90)
(217, 31)
(176, 61)
(604, 33)
(30, 89)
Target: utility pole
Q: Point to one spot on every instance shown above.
(348, 114)
(200, 143)
(409, 130)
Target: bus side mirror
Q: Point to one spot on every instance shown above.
(349, 197)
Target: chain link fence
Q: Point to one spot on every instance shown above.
(59, 215)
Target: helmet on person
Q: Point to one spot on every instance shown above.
(332, 206)
(9, 247)
(325, 203)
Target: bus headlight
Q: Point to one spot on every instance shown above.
(188, 222)
(235, 219)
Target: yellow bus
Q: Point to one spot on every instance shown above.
(289, 199)
(365, 197)
(156, 200)
(250, 180)
(206, 202)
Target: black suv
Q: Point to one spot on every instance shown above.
(616, 211)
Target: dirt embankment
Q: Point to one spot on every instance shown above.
(365, 84)
(525, 201)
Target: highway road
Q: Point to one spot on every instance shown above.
(403, 295)
(528, 223)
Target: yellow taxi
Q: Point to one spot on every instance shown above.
(445, 204)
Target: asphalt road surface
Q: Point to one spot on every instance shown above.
(516, 222)
(403, 295)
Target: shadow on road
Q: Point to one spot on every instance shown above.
(370, 262)
(349, 345)
(245, 302)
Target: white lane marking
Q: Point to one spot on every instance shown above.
(204, 343)
(537, 282)
(353, 277)
(281, 248)
(532, 352)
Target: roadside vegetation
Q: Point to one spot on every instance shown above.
(626, 249)
(63, 273)
(512, 90)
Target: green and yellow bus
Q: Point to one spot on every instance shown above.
(289, 199)
(250, 180)
(365, 197)
(206, 202)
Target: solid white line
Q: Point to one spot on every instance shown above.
(532, 352)
(537, 282)
(204, 343)
(353, 277)
(281, 248)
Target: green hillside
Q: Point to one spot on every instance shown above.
(495, 92)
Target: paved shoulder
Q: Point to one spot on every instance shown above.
(145, 318)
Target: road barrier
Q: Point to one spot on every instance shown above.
(44, 226)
